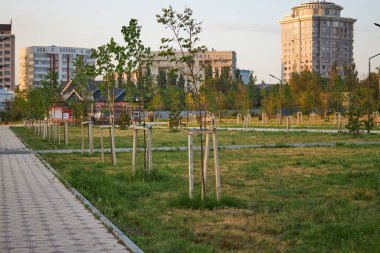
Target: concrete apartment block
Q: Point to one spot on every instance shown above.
(36, 61)
(7, 57)
(315, 36)
(217, 60)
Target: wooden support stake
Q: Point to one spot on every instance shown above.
(59, 132)
(191, 167)
(113, 151)
(101, 144)
(90, 139)
(49, 130)
(150, 165)
(287, 124)
(134, 151)
(205, 165)
(82, 139)
(66, 124)
(217, 171)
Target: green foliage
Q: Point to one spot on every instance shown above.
(354, 113)
(186, 31)
(253, 92)
(306, 89)
(131, 59)
(19, 108)
(83, 73)
(225, 73)
(161, 79)
(78, 109)
(208, 72)
(35, 102)
(175, 102)
(125, 120)
(270, 99)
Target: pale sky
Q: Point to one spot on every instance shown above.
(249, 27)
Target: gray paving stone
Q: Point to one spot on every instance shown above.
(38, 213)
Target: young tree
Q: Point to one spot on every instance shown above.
(253, 91)
(337, 88)
(83, 73)
(138, 58)
(106, 67)
(186, 31)
(208, 72)
(225, 74)
(161, 79)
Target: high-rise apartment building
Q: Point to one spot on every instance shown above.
(314, 37)
(35, 62)
(216, 59)
(7, 57)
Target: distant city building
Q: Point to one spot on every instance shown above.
(7, 57)
(216, 59)
(314, 37)
(245, 74)
(35, 62)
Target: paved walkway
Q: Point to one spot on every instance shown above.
(307, 130)
(228, 147)
(37, 213)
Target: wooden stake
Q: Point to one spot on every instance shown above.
(217, 171)
(150, 165)
(49, 130)
(113, 151)
(205, 165)
(101, 144)
(82, 139)
(66, 132)
(134, 151)
(59, 132)
(191, 167)
(287, 124)
(90, 139)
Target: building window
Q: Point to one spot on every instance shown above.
(327, 11)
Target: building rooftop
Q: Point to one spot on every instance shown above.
(319, 5)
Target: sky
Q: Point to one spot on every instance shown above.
(249, 27)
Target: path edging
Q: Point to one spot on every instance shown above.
(115, 230)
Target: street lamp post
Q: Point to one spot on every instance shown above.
(369, 91)
(280, 96)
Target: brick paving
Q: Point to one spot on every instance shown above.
(38, 213)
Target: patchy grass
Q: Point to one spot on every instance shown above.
(274, 199)
(176, 138)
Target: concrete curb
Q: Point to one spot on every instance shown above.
(115, 230)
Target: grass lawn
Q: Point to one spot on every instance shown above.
(274, 199)
(166, 137)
